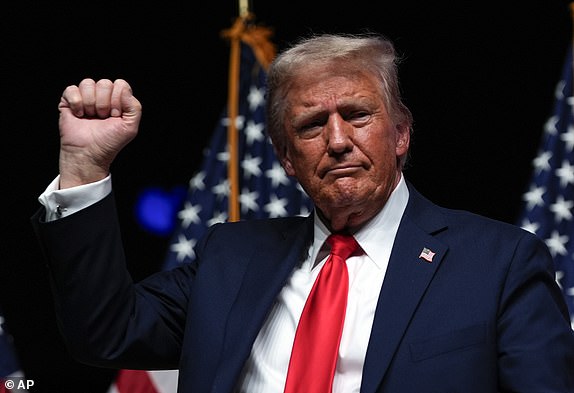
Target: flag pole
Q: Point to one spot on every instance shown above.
(572, 28)
(571, 6)
(232, 111)
(258, 38)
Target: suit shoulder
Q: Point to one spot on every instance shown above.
(475, 220)
(460, 220)
(278, 223)
(261, 229)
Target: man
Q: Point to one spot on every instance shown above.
(438, 300)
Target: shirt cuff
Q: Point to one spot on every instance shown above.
(62, 203)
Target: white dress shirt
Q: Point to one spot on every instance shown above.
(266, 368)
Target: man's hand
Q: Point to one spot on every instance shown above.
(97, 119)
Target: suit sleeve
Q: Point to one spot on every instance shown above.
(105, 318)
(533, 317)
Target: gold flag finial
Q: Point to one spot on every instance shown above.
(244, 8)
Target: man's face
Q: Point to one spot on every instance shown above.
(342, 145)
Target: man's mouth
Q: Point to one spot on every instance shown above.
(342, 170)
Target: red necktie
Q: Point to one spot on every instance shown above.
(316, 345)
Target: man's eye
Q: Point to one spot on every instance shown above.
(357, 116)
(310, 125)
(310, 130)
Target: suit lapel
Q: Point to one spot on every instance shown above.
(408, 275)
(265, 275)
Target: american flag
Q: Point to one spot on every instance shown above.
(427, 254)
(265, 191)
(549, 201)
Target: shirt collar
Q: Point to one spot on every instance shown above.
(377, 236)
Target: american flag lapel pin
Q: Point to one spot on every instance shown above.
(427, 254)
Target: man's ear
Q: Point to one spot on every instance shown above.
(403, 138)
(287, 164)
(285, 160)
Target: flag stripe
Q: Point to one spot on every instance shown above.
(135, 381)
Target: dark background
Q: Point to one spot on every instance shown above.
(479, 78)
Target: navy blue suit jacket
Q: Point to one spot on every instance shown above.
(485, 315)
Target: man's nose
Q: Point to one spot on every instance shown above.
(339, 134)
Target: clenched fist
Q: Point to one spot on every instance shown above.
(97, 119)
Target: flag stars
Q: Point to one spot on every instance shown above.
(557, 243)
(256, 98)
(250, 166)
(565, 173)
(562, 209)
(197, 181)
(551, 125)
(209, 184)
(276, 207)
(549, 203)
(260, 175)
(223, 156)
(277, 175)
(248, 201)
(189, 214)
(542, 162)
(534, 197)
(239, 122)
(221, 190)
(254, 132)
(183, 248)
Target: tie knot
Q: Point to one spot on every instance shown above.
(344, 245)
